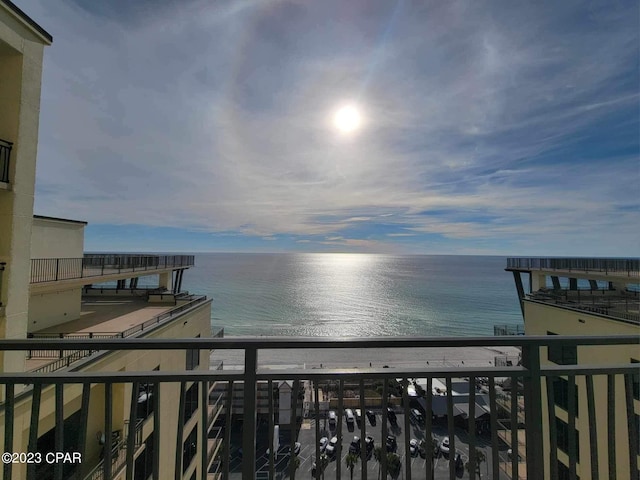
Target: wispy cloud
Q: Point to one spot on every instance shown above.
(486, 126)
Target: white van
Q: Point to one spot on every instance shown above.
(348, 413)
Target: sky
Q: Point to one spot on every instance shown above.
(498, 127)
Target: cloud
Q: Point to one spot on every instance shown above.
(483, 123)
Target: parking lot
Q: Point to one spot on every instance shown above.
(307, 439)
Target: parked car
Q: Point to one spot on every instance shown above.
(348, 413)
(458, 461)
(358, 415)
(331, 448)
(444, 445)
(392, 444)
(285, 450)
(324, 441)
(372, 417)
(413, 447)
(368, 441)
(416, 416)
(355, 445)
(391, 415)
(333, 418)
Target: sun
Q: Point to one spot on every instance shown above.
(347, 119)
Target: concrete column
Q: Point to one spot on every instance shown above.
(165, 280)
(573, 283)
(538, 281)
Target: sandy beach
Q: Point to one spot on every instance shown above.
(360, 358)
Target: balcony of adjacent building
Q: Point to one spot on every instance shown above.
(486, 428)
(5, 159)
(622, 305)
(600, 286)
(49, 274)
(598, 268)
(108, 317)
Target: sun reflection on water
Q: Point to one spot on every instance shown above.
(348, 292)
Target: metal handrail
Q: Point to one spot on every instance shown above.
(95, 265)
(582, 307)
(118, 454)
(530, 373)
(630, 266)
(5, 157)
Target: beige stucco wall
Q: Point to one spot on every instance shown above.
(56, 239)
(190, 325)
(539, 319)
(21, 52)
(49, 309)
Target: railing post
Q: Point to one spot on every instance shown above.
(533, 411)
(57, 267)
(249, 424)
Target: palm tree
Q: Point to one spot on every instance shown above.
(377, 454)
(480, 457)
(322, 463)
(296, 464)
(351, 460)
(394, 465)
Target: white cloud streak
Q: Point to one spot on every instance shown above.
(217, 117)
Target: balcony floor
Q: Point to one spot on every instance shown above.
(109, 315)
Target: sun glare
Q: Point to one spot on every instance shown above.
(347, 119)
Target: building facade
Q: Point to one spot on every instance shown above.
(592, 297)
(50, 289)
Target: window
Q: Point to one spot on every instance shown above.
(193, 358)
(637, 419)
(144, 463)
(562, 355)
(563, 472)
(146, 399)
(635, 379)
(189, 449)
(561, 394)
(46, 443)
(190, 402)
(562, 434)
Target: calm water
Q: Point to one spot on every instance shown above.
(355, 294)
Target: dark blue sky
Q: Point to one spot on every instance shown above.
(487, 127)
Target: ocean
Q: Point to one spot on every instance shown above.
(325, 294)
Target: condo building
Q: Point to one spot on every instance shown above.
(50, 289)
(586, 297)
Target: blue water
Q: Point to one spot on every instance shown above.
(355, 294)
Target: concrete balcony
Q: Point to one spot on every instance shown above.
(48, 274)
(530, 383)
(105, 318)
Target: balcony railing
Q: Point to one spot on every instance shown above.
(5, 156)
(627, 266)
(532, 393)
(501, 330)
(118, 453)
(94, 265)
(620, 305)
